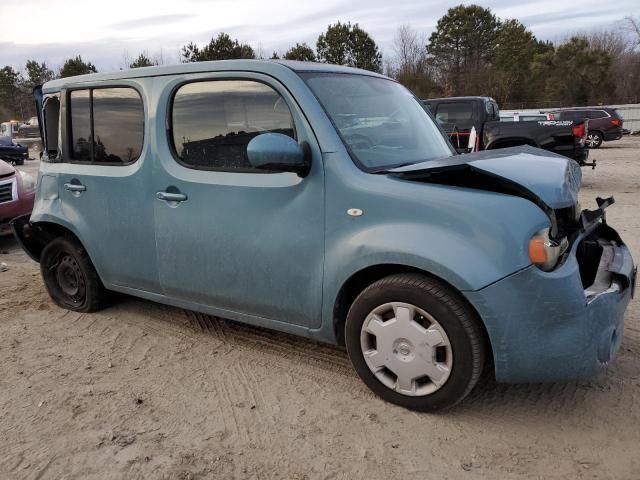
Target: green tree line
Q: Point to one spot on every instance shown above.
(470, 52)
(473, 52)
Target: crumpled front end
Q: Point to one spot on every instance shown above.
(564, 324)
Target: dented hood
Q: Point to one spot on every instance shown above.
(547, 179)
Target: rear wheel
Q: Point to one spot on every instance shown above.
(594, 139)
(415, 342)
(70, 278)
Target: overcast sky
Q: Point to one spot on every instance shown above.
(105, 32)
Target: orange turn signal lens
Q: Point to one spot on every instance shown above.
(537, 251)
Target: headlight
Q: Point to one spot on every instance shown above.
(28, 182)
(544, 253)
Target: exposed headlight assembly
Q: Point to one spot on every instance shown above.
(545, 253)
(28, 182)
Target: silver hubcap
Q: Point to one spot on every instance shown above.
(406, 349)
(592, 140)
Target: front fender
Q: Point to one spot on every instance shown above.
(468, 238)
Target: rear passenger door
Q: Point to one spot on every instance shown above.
(241, 240)
(103, 183)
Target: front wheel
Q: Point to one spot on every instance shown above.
(415, 342)
(70, 278)
(594, 139)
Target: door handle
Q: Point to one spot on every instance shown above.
(75, 187)
(171, 197)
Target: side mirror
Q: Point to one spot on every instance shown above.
(277, 152)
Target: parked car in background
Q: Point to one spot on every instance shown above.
(523, 116)
(9, 129)
(324, 201)
(17, 192)
(29, 131)
(12, 152)
(459, 115)
(605, 124)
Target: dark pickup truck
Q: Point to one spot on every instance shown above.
(459, 115)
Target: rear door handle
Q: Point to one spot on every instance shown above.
(171, 197)
(75, 187)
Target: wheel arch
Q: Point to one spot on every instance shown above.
(361, 279)
(34, 236)
(598, 131)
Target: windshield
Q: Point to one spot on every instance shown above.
(382, 124)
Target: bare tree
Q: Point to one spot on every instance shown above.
(611, 41)
(408, 46)
(410, 65)
(632, 25)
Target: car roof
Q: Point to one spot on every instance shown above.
(583, 109)
(259, 66)
(442, 99)
(6, 141)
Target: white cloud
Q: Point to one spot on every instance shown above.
(103, 31)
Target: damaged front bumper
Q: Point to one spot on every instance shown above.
(564, 324)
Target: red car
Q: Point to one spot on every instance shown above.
(17, 192)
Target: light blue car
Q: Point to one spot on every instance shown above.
(325, 201)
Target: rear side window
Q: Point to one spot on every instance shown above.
(107, 125)
(593, 114)
(576, 116)
(214, 121)
(459, 113)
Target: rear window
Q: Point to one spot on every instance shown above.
(456, 113)
(615, 114)
(107, 125)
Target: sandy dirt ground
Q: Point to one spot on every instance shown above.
(141, 390)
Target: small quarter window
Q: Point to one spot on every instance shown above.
(107, 125)
(214, 121)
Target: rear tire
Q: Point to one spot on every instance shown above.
(594, 139)
(70, 278)
(422, 329)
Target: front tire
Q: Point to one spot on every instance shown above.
(70, 278)
(415, 342)
(594, 139)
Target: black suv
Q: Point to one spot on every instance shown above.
(605, 124)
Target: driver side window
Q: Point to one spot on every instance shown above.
(214, 121)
